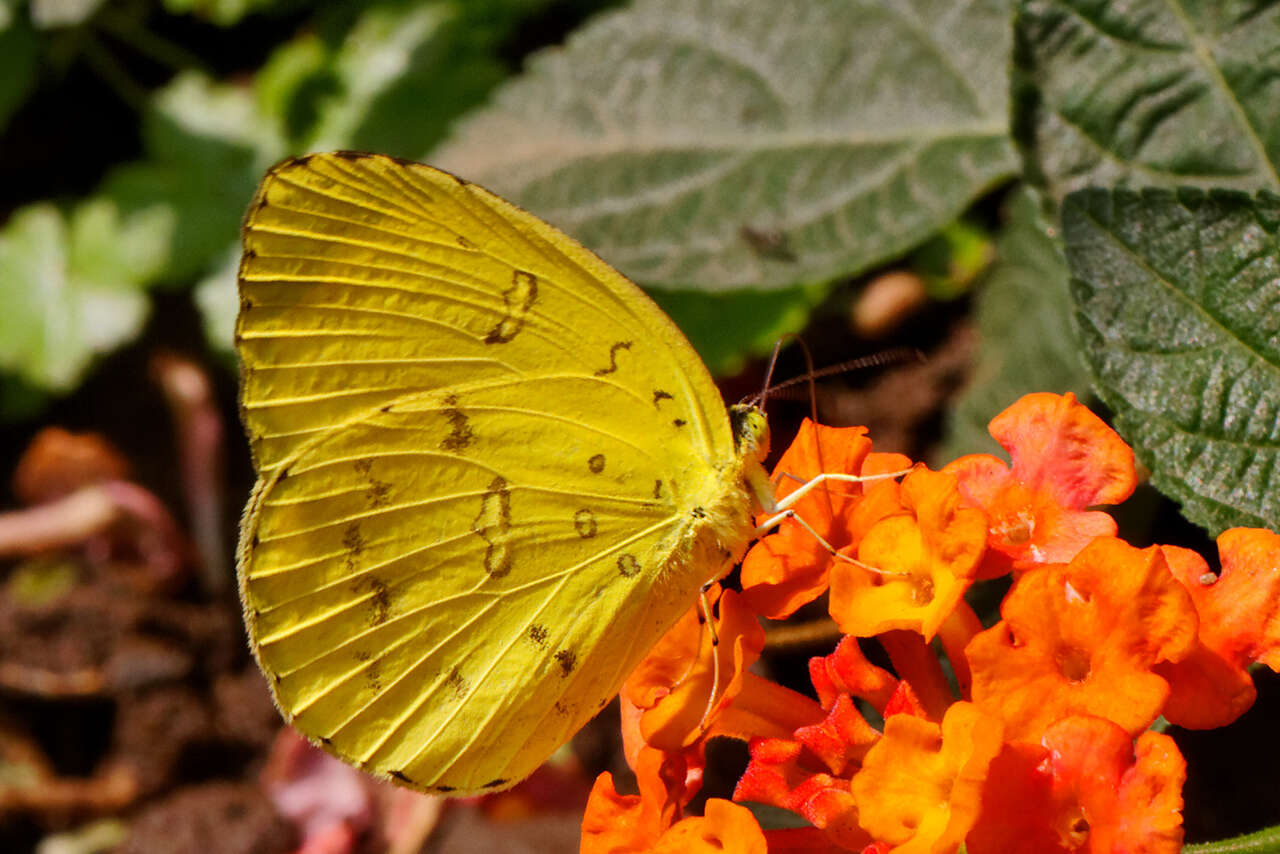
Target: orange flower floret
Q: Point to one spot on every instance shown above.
(789, 567)
(724, 826)
(916, 563)
(1084, 638)
(626, 824)
(1240, 609)
(847, 671)
(672, 684)
(782, 773)
(920, 786)
(1065, 459)
(1208, 689)
(620, 824)
(1084, 789)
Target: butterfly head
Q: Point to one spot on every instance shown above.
(750, 430)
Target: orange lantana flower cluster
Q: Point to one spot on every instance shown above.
(1039, 740)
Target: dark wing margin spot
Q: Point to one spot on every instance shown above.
(495, 783)
(402, 777)
(566, 658)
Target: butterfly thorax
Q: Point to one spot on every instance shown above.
(720, 516)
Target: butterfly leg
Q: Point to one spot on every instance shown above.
(820, 479)
(715, 653)
(773, 521)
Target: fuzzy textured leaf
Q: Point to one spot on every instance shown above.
(1149, 93)
(728, 144)
(1178, 298)
(1023, 316)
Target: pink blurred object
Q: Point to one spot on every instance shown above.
(328, 801)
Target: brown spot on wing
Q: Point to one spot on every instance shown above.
(460, 435)
(456, 683)
(377, 493)
(517, 301)
(566, 658)
(379, 600)
(353, 541)
(538, 634)
(596, 464)
(613, 358)
(628, 565)
(493, 525)
(584, 522)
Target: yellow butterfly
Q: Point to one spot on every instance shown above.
(491, 472)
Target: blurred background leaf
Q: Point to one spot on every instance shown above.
(73, 287)
(1023, 323)
(730, 145)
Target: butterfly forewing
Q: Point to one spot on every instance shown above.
(478, 447)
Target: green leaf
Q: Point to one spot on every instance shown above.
(72, 288)
(1178, 298)
(400, 73)
(208, 145)
(757, 318)
(1023, 317)
(1150, 93)
(218, 300)
(670, 136)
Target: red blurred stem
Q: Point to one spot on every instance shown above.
(199, 430)
(915, 662)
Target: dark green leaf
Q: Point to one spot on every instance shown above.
(1150, 93)
(1178, 297)
(19, 53)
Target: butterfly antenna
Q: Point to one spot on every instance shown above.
(759, 399)
(894, 356)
